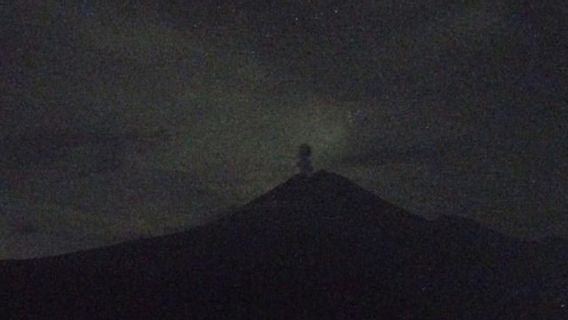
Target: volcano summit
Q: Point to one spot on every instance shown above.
(314, 247)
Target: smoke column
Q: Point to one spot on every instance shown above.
(304, 163)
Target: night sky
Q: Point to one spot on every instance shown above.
(133, 118)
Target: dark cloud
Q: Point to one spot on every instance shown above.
(442, 107)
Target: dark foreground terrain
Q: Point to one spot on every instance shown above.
(312, 248)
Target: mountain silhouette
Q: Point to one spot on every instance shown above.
(314, 247)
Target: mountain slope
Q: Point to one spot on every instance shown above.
(316, 247)
(49, 212)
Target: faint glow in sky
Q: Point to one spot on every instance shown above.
(436, 137)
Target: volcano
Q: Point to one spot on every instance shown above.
(314, 247)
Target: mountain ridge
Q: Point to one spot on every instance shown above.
(316, 247)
